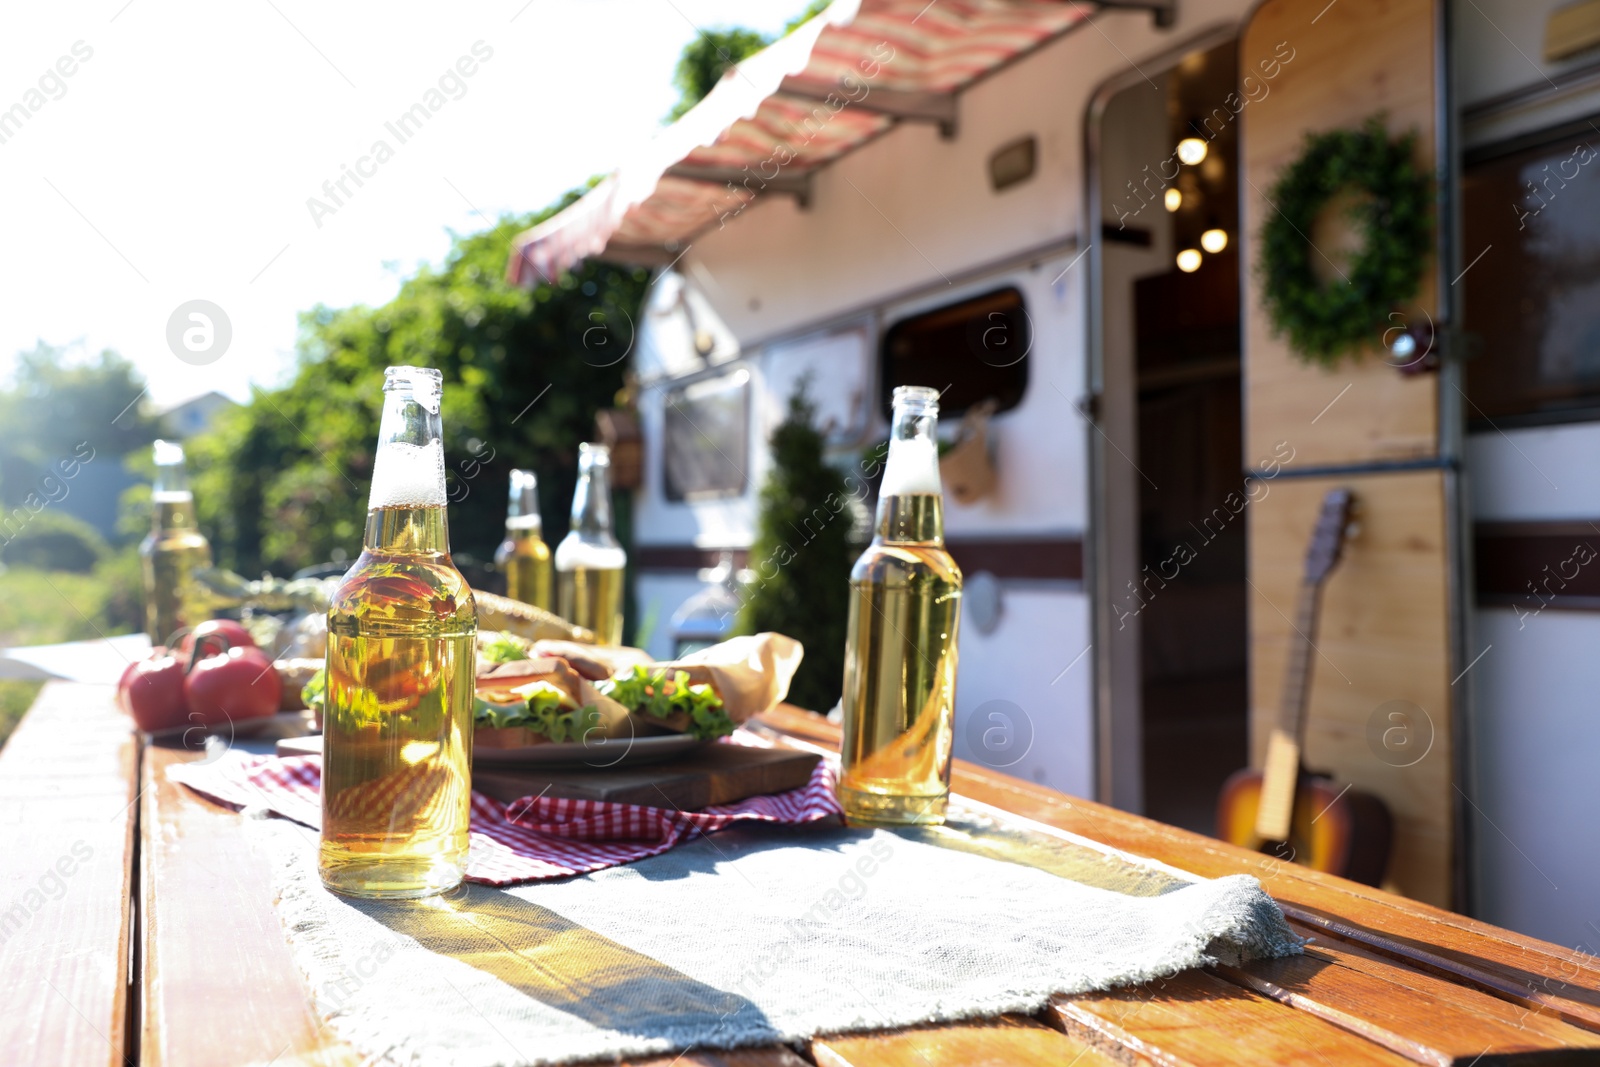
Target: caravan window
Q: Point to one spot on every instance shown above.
(1532, 301)
(707, 437)
(836, 367)
(973, 350)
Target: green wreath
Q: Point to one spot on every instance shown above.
(1326, 322)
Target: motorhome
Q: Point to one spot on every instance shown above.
(1055, 212)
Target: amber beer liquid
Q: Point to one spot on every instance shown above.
(900, 657)
(589, 561)
(523, 557)
(173, 552)
(397, 727)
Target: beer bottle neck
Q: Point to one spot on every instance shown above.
(522, 508)
(591, 506)
(406, 510)
(910, 518)
(172, 510)
(172, 502)
(423, 531)
(523, 526)
(911, 498)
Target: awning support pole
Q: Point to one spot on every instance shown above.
(916, 106)
(795, 185)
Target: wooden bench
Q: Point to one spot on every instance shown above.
(1387, 981)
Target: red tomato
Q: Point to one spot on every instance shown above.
(238, 685)
(233, 635)
(152, 692)
(127, 677)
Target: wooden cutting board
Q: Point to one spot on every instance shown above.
(713, 774)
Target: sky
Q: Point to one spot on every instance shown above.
(159, 152)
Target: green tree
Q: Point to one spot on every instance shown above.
(813, 9)
(802, 556)
(58, 403)
(706, 59)
(282, 483)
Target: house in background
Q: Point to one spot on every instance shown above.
(906, 193)
(194, 416)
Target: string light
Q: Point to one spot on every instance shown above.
(1191, 150)
(1214, 240)
(1189, 260)
(1172, 199)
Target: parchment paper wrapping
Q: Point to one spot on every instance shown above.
(751, 673)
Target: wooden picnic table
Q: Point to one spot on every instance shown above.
(140, 929)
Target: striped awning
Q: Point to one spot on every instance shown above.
(832, 85)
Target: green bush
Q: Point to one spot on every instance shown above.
(54, 541)
(44, 608)
(15, 699)
(120, 579)
(802, 557)
(41, 608)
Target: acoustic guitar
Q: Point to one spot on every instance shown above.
(1284, 809)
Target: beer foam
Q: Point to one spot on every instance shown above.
(912, 467)
(408, 476)
(171, 496)
(572, 553)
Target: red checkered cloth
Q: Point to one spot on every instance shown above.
(532, 838)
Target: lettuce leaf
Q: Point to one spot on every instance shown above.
(314, 694)
(501, 648)
(653, 694)
(546, 712)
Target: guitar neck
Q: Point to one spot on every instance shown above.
(1297, 675)
(1281, 770)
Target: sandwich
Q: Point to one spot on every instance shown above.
(546, 699)
(534, 692)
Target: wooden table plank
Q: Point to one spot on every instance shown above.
(1009, 1040)
(1445, 1026)
(1196, 1019)
(1515, 967)
(67, 785)
(1422, 1017)
(761, 1057)
(220, 986)
(1543, 977)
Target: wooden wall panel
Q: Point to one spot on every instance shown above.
(1383, 638)
(1386, 631)
(1351, 59)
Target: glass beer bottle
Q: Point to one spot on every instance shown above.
(173, 552)
(900, 656)
(523, 556)
(397, 726)
(589, 562)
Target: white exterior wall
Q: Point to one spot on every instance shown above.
(1535, 720)
(1535, 731)
(912, 213)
